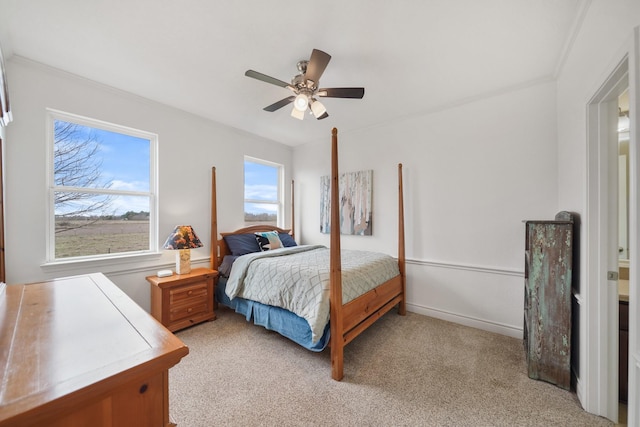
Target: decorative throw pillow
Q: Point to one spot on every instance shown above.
(287, 240)
(268, 240)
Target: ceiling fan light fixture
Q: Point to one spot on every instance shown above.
(301, 102)
(297, 113)
(306, 88)
(317, 108)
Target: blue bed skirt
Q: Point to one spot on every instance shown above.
(276, 319)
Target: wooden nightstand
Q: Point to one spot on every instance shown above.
(183, 300)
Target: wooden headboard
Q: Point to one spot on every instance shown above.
(220, 248)
(223, 249)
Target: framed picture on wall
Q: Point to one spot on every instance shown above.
(355, 191)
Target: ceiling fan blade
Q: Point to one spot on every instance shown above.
(265, 78)
(342, 92)
(317, 63)
(277, 105)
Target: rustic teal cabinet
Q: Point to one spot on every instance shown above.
(547, 299)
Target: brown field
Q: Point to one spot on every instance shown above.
(101, 237)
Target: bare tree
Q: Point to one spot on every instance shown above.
(77, 164)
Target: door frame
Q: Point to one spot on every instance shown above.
(599, 308)
(633, 398)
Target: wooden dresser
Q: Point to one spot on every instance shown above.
(547, 299)
(77, 351)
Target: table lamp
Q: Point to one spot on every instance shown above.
(183, 239)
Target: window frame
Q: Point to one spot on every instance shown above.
(51, 117)
(280, 190)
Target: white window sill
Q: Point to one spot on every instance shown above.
(102, 264)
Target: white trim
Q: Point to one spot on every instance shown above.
(152, 194)
(468, 267)
(471, 321)
(474, 322)
(146, 263)
(598, 313)
(101, 264)
(579, 389)
(460, 102)
(171, 109)
(280, 191)
(633, 411)
(576, 26)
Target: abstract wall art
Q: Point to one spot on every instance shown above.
(355, 191)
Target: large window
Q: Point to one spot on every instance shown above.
(102, 188)
(262, 192)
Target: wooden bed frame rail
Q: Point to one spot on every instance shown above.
(347, 320)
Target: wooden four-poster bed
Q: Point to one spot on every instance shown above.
(346, 319)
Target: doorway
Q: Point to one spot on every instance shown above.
(600, 311)
(623, 254)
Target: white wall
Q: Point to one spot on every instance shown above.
(188, 147)
(472, 174)
(605, 37)
(600, 46)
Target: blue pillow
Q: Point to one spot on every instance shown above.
(242, 244)
(287, 240)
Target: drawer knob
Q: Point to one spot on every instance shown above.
(143, 388)
(190, 310)
(189, 293)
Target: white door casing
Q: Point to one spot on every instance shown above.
(599, 302)
(633, 405)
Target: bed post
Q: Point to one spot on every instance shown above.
(402, 307)
(293, 213)
(214, 222)
(336, 323)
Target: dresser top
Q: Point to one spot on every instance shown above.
(61, 338)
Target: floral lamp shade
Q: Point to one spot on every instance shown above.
(183, 239)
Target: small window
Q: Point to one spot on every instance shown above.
(262, 192)
(101, 188)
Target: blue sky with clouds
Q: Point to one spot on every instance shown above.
(261, 183)
(125, 160)
(125, 163)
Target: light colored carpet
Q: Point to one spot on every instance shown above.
(403, 371)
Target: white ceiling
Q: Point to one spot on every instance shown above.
(412, 56)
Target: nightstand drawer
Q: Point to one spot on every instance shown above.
(189, 294)
(178, 313)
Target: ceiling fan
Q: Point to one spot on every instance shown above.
(305, 86)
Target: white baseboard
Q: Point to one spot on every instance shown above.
(482, 324)
(579, 390)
